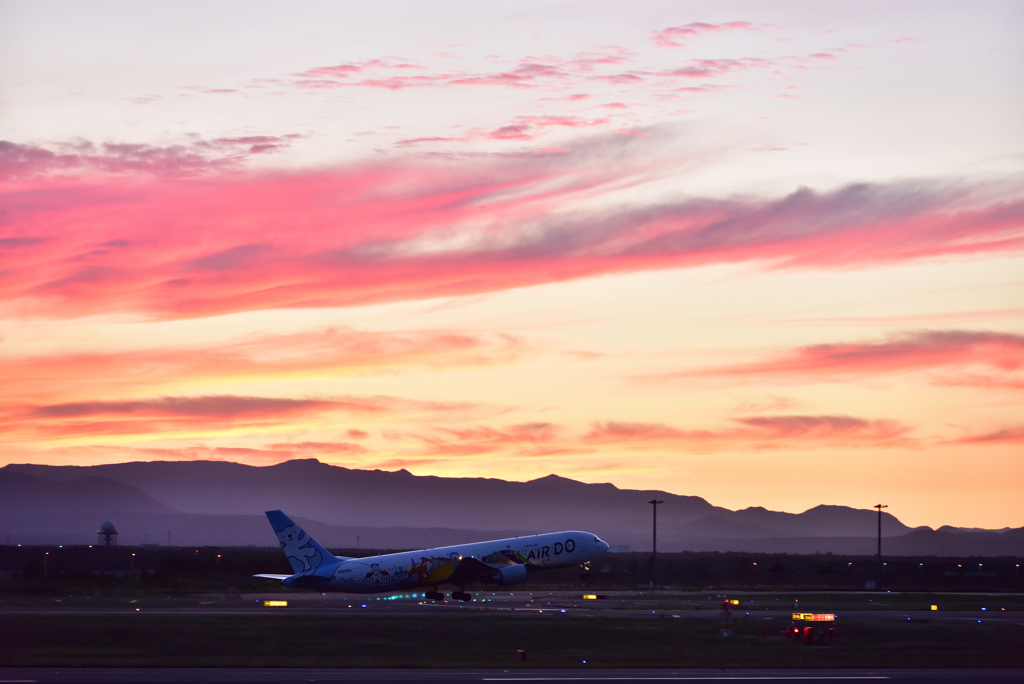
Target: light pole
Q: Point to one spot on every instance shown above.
(46, 563)
(880, 507)
(654, 553)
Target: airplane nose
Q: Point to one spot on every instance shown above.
(604, 546)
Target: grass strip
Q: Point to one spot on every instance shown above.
(135, 640)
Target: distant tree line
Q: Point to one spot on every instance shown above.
(179, 570)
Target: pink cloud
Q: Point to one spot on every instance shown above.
(336, 71)
(212, 91)
(611, 55)
(530, 127)
(66, 378)
(824, 427)
(525, 75)
(757, 432)
(560, 121)
(196, 157)
(259, 144)
(265, 455)
(513, 132)
(521, 128)
(168, 416)
(620, 79)
(575, 97)
(952, 357)
(990, 380)
(1013, 435)
(344, 71)
(412, 142)
(674, 35)
(526, 438)
(90, 243)
(319, 448)
(528, 73)
(708, 68)
(215, 407)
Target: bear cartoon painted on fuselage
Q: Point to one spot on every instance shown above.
(295, 543)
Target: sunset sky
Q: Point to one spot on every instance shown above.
(770, 254)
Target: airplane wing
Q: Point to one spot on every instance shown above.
(469, 569)
(472, 569)
(277, 577)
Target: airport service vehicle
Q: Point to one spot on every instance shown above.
(502, 561)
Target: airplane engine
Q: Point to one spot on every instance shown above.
(508, 574)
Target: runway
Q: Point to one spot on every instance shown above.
(552, 629)
(528, 604)
(275, 676)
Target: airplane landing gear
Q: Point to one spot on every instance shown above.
(434, 596)
(461, 596)
(586, 570)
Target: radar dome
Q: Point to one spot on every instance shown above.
(107, 534)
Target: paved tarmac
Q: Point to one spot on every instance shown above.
(520, 604)
(264, 676)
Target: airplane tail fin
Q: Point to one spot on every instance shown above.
(305, 555)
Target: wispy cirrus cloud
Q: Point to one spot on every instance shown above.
(533, 127)
(536, 439)
(710, 68)
(214, 407)
(347, 70)
(763, 433)
(758, 432)
(957, 354)
(312, 448)
(520, 128)
(524, 75)
(311, 353)
(19, 161)
(608, 69)
(267, 454)
(528, 72)
(181, 416)
(1010, 435)
(674, 36)
(418, 229)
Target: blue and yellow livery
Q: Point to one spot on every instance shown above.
(502, 561)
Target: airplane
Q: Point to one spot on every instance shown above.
(502, 561)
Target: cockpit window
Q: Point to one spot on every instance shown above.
(597, 539)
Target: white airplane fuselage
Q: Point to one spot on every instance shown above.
(430, 567)
(501, 561)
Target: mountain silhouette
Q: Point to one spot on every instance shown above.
(218, 502)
